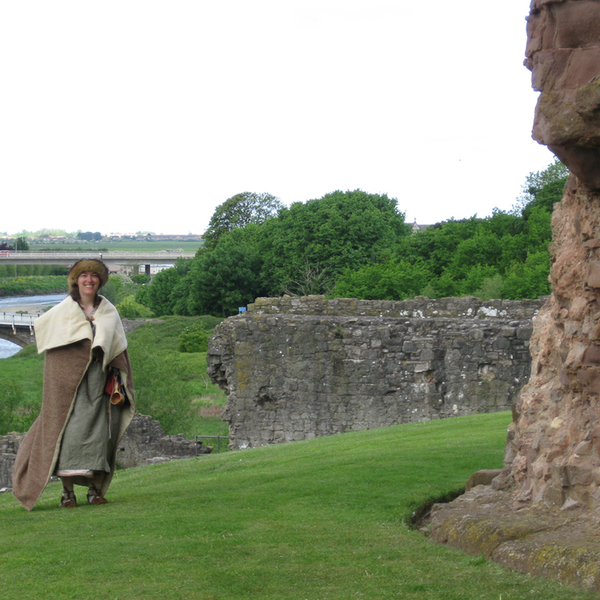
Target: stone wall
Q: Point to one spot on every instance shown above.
(421, 307)
(296, 368)
(144, 442)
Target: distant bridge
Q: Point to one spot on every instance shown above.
(66, 259)
(17, 328)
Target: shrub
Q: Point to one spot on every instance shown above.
(491, 288)
(130, 309)
(140, 279)
(194, 339)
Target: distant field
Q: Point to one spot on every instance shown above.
(119, 246)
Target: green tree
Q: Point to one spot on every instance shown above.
(478, 279)
(445, 286)
(159, 297)
(21, 244)
(141, 278)
(112, 290)
(481, 249)
(89, 235)
(223, 280)
(168, 291)
(437, 244)
(392, 280)
(142, 295)
(342, 230)
(537, 229)
(528, 279)
(542, 188)
(502, 224)
(491, 288)
(239, 211)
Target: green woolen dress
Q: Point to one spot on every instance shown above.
(91, 433)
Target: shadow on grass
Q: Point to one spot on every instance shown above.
(422, 512)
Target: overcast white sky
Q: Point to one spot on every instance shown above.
(131, 115)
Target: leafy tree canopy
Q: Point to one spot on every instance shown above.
(239, 211)
(542, 188)
(502, 256)
(89, 235)
(21, 244)
(356, 244)
(158, 297)
(392, 280)
(342, 230)
(223, 280)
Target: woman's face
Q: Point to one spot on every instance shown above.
(88, 283)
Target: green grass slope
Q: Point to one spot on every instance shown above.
(171, 386)
(313, 520)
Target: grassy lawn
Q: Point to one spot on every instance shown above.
(312, 520)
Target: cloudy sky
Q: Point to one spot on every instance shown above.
(131, 115)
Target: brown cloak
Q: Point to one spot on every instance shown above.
(65, 335)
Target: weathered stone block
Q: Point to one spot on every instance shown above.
(381, 370)
(590, 379)
(593, 278)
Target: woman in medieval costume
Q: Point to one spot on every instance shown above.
(77, 432)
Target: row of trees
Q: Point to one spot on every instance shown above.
(19, 243)
(31, 270)
(354, 244)
(89, 236)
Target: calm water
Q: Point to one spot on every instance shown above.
(8, 348)
(27, 300)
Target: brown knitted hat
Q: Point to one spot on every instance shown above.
(88, 264)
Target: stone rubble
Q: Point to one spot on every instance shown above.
(144, 443)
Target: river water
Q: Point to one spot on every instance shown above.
(31, 304)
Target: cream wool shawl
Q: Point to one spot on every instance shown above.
(66, 323)
(65, 335)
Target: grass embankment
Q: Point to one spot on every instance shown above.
(320, 519)
(171, 386)
(33, 285)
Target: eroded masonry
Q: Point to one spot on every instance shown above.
(297, 368)
(540, 514)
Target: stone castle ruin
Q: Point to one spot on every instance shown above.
(541, 514)
(296, 368)
(385, 364)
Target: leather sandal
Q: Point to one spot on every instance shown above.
(68, 500)
(94, 496)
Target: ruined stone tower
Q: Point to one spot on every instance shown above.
(553, 455)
